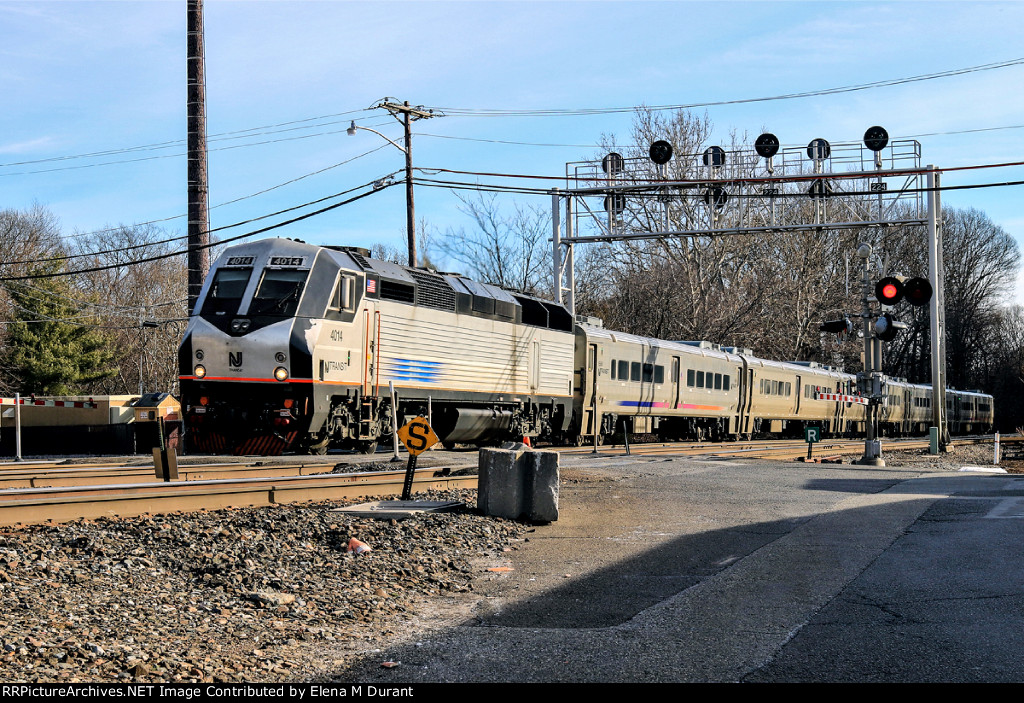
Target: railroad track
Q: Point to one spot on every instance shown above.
(50, 491)
(768, 449)
(61, 504)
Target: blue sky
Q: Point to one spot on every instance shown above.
(85, 77)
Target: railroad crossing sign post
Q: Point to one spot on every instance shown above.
(417, 437)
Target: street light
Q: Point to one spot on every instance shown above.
(410, 207)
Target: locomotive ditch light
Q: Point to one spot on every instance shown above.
(199, 371)
(890, 290)
(281, 373)
(660, 152)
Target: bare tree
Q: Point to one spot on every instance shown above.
(506, 249)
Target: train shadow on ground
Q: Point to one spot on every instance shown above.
(618, 584)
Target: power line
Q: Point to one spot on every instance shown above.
(67, 257)
(206, 246)
(644, 146)
(236, 134)
(562, 112)
(78, 235)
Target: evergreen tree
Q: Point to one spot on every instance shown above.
(51, 346)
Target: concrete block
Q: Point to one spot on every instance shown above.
(518, 483)
(542, 489)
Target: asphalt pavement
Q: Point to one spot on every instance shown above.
(697, 570)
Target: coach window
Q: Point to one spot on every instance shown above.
(648, 373)
(691, 378)
(718, 381)
(634, 371)
(700, 379)
(659, 374)
(623, 370)
(725, 382)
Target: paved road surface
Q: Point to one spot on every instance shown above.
(685, 570)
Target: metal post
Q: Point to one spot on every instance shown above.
(430, 415)
(556, 246)
(17, 426)
(937, 309)
(871, 449)
(394, 418)
(410, 206)
(570, 258)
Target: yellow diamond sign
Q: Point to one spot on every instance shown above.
(417, 436)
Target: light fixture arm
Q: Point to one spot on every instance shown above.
(352, 130)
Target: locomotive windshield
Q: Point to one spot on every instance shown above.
(279, 292)
(226, 291)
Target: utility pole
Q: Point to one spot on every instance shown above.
(407, 115)
(198, 185)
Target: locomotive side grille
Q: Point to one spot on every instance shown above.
(360, 259)
(433, 291)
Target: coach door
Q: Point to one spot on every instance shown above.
(674, 391)
(590, 384)
(745, 376)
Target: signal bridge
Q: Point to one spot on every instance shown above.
(744, 191)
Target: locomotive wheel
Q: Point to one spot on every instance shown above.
(317, 447)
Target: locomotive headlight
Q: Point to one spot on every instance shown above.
(281, 373)
(240, 325)
(199, 370)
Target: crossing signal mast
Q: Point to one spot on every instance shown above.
(879, 326)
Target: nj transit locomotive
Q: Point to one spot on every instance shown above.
(295, 347)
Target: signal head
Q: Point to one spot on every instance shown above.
(819, 149)
(889, 290)
(660, 152)
(613, 163)
(886, 327)
(917, 291)
(876, 138)
(767, 145)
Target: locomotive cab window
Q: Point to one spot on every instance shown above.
(226, 291)
(278, 292)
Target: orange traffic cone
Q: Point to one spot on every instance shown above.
(526, 441)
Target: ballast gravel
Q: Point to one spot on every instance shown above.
(246, 594)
